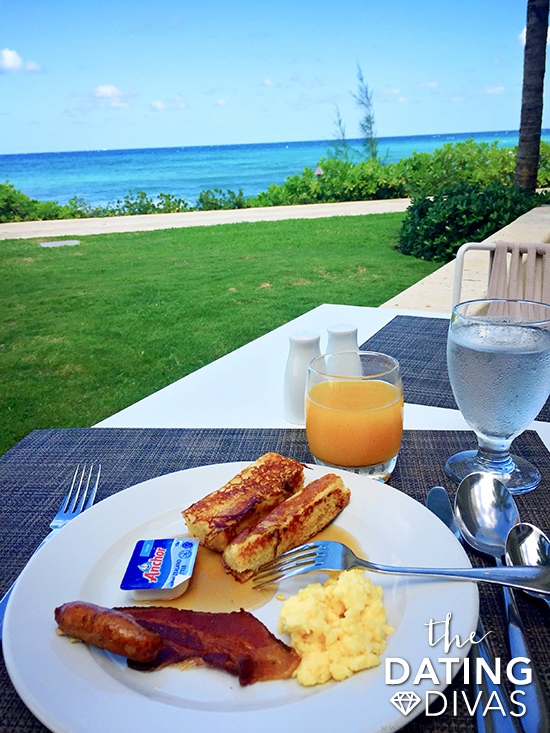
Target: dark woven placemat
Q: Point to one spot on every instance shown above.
(420, 347)
(35, 472)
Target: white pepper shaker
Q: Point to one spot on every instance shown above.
(341, 337)
(303, 347)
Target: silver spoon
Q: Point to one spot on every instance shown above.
(489, 719)
(485, 513)
(528, 545)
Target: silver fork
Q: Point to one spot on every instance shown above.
(329, 555)
(80, 496)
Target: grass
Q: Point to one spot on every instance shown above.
(89, 329)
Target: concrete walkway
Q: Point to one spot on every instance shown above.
(150, 222)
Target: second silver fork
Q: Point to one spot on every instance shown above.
(80, 496)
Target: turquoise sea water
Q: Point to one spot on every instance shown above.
(103, 176)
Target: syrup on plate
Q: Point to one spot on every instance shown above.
(212, 589)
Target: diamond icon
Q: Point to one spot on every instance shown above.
(405, 701)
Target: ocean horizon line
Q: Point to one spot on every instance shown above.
(327, 141)
(101, 177)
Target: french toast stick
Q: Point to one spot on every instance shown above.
(220, 516)
(292, 523)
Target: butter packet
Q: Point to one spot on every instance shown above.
(160, 569)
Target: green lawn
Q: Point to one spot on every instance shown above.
(89, 329)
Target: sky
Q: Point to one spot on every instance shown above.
(81, 75)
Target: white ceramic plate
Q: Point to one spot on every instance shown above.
(71, 687)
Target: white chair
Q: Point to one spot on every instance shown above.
(516, 270)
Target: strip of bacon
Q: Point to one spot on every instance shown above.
(236, 642)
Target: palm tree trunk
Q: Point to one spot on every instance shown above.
(534, 65)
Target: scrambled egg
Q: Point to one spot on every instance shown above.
(337, 628)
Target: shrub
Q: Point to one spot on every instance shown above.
(79, 208)
(454, 163)
(169, 204)
(17, 206)
(420, 174)
(543, 177)
(211, 200)
(341, 180)
(14, 205)
(141, 203)
(434, 227)
(132, 203)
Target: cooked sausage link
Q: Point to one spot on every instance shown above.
(108, 629)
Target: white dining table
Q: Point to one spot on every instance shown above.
(244, 389)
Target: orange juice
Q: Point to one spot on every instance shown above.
(354, 423)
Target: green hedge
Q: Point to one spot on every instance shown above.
(420, 174)
(341, 180)
(17, 206)
(434, 227)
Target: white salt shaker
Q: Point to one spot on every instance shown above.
(304, 346)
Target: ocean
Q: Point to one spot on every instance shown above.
(105, 176)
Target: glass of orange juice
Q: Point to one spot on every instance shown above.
(354, 412)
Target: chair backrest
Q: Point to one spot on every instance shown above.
(516, 270)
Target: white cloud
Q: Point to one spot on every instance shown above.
(108, 96)
(268, 83)
(394, 94)
(221, 103)
(11, 62)
(495, 90)
(174, 103)
(429, 85)
(103, 96)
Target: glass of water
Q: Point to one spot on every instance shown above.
(498, 357)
